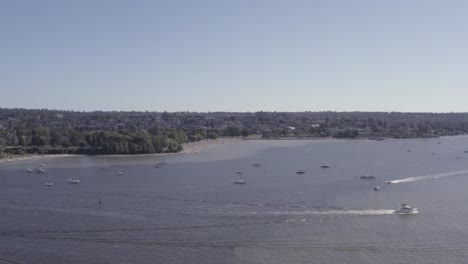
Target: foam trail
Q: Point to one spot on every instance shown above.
(332, 212)
(431, 176)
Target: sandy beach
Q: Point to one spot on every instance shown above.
(189, 148)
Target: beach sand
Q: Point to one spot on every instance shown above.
(189, 148)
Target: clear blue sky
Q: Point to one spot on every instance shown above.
(236, 55)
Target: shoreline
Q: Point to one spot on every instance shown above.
(189, 148)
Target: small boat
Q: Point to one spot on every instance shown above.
(376, 188)
(239, 172)
(158, 166)
(120, 173)
(300, 171)
(73, 181)
(48, 184)
(41, 165)
(325, 166)
(239, 181)
(257, 164)
(406, 209)
(40, 170)
(29, 171)
(366, 177)
(388, 182)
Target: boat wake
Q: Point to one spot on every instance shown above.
(431, 176)
(332, 212)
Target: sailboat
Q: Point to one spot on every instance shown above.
(48, 182)
(239, 180)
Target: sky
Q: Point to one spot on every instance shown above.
(236, 55)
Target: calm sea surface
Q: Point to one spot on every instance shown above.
(190, 211)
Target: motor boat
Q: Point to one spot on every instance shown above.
(239, 181)
(366, 177)
(388, 182)
(376, 188)
(120, 173)
(73, 181)
(257, 164)
(300, 171)
(325, 166)
(158, 166)
(41, 165)
(40, 170)
(406, 209)
(29, 171)
(48, 184)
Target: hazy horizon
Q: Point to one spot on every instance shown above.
(235, 56)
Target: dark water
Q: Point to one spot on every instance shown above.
(189, 211)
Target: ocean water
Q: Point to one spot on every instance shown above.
(190, 211)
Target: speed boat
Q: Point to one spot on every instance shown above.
(29, 171)
(40, 170)
(388, 182)
(120, 173)
(257, 164)
(73, 181)
(158, 166)
(406, 209)
(300, 171)
(48, 184)
(325, 166)
(376, 188)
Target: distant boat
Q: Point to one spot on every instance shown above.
(388, 182)
(406, 209)
(41, 165)
(29, 171)
(257, 164)
(300, 171)
(48, 184)
(40, 170)
(325, 166)
(158, 166)
(367, 177)
(120, 173)
(376, 188)
(240, 179)
(73, 181)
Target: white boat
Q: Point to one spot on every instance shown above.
(41, 165)
(239, 181)
(73, 181)
(48, 184)
(406, 209)
(367, 177)
(325, 166)
(388, 182)
(40, 170)
(257, 164)
(29, 171)
(376, 188)
(120, 173)
(158, 166)
(300, 171)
